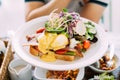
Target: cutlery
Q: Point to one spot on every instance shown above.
(110, 54)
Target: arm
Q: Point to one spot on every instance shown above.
(93, 11)
(30, 6)
(37, 9)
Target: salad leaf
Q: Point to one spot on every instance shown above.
(65, 33)
(103, 76)
(46, 24)
(65, 10)
(91, 30)
(54, 30)
(69, 17)
(89, 36)
(89, 23)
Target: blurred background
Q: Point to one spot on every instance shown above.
(12, 16)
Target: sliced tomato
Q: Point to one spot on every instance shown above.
(86, 44)
(61, 51)
(40, 30)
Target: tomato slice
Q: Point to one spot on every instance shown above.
(86, 44)
(40, 30)
(61, 51)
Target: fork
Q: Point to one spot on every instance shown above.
(110, 54)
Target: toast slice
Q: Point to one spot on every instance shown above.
(36, 52)
(65, 57)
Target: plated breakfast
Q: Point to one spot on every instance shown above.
(64, 36)
(60, 41)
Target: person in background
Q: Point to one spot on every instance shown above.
(90, 9)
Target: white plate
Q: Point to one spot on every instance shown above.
(40, 74)
(95, 52)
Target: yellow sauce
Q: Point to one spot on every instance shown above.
(45, 41)
(51, 41)
(50, 57)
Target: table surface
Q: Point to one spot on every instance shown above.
(89, 73)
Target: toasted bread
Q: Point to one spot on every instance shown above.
(36, 52)
(65, 57)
